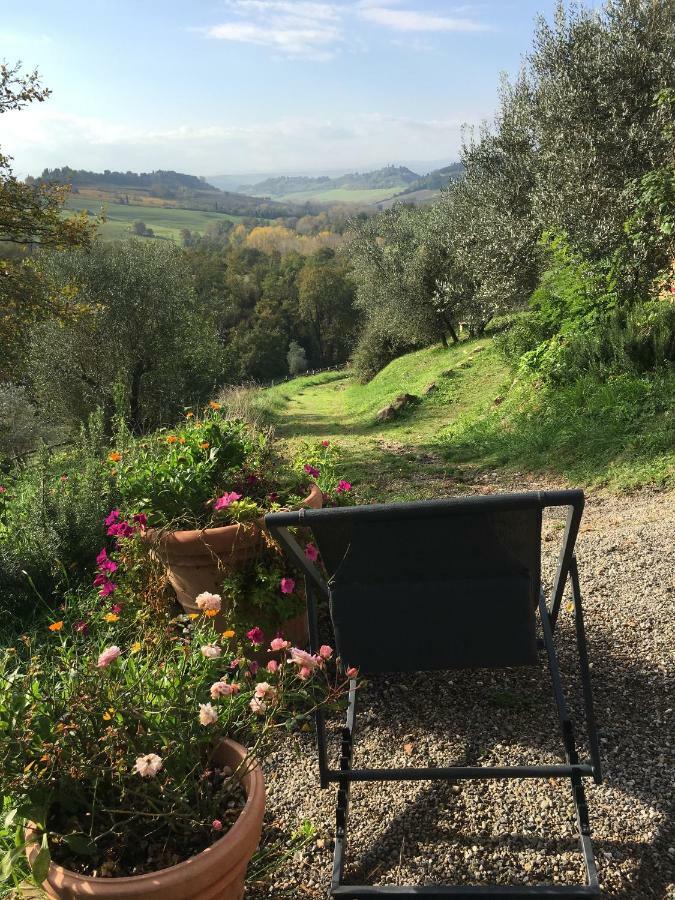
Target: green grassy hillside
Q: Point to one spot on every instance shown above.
(619, 432)
(166, 222)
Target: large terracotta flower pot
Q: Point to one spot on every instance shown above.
(217, 872)
(197, 561)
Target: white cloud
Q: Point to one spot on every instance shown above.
(294, 29)
(39, 137)
(414, 20)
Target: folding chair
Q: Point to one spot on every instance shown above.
(446, 584)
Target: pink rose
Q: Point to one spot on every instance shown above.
(325, 652)
(255, 636)
(311, 552)
(272, 666)
(302, 658)
(279, 644)
(287, 585)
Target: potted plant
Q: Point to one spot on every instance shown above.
(122, 747)
(199, 494)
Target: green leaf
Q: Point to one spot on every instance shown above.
(41, 863)
(81, 844)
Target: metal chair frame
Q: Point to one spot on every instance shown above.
(574, 769)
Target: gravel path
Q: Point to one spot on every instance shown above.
(517, 832)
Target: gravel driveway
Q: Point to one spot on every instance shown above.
(515, 832)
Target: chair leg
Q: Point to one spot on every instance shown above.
(342, 809)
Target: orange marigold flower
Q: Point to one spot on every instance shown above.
(214, 405)
(181, 440)
(111, 617)
(189, 415)
(114, 456)
(210, 613)
(205, 445)
(171, 439)
(108, 714)
(56, 626)
(228, 634)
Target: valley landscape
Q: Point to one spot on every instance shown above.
(184, 354)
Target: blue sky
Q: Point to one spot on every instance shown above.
(244, 86)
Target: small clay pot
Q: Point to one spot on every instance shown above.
(197, 561)
(217, 872)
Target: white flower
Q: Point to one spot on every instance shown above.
(208, 714)
(208, 601)
(258, 706)
(211, 651)
(148, 766)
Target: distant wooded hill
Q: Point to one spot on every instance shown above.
(162, 188)
(390, 177)
(436, 180)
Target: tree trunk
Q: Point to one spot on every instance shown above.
(135, 397)
(444, 340)
(453, 334)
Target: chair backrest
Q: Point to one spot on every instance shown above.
(435, 585)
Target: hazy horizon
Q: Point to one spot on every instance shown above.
(258, 86)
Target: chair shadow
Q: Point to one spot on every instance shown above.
(630, 702)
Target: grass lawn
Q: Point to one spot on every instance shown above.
(341, 195)
(166, 222)
(619, 432)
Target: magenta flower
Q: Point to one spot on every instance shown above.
(255, 636)
(251, 480)
(120, 530)
(217, 825)
(112, 517)
(116, 608)
(311, 470)
(311, 552)
(140, 519)
(253, 668)
(100, 580)
(343, 486)
(81, 627)
(273, 497)
(101, 558)
(108, 588)
(226, 500)
(108, 656)
(287, 585)
(325, 443)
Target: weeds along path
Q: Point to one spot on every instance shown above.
(397, 459)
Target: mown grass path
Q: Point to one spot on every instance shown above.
(398, 459)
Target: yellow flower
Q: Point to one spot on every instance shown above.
(205, 445)
(228, 634)
(171, 439)
(193, 615)
(210, 613)
(135, 647)
(114, 456)
(570, 607)
(189, 415)
(56, 626)
(108, 714)
(214, 405)
(111, 617)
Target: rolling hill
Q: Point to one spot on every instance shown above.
(355, 187)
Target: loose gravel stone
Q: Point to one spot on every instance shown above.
(515, 832)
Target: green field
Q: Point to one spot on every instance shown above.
(341, 195)
(166, 222)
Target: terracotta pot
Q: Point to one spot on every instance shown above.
(217, 872)
(197, 561)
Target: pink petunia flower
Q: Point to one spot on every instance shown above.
(149, 765)
(343, 486)
(287, 585)
(273, 497)
(255, 636)
(325, 652)
(108, 656)
(311, 552)
(116, 608)
(302, 658)
(279, 644)
(226, 500)
(120, 530)
(108, 588)
(140, 519)
(100, 579)
(223, 689)
(102, 557)
(311, 470)
(112, 517)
